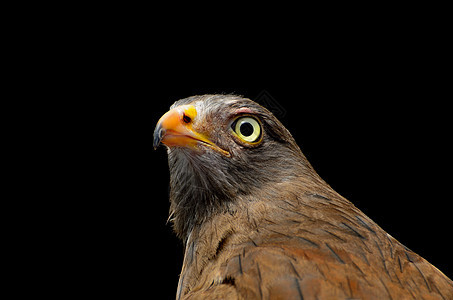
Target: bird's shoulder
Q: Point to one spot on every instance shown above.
(289, 270)
(297, 253)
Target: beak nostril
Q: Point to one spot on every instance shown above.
(186, 119)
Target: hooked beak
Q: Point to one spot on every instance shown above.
(174, 129)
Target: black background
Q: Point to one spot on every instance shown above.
(366, 104)
(376, 145)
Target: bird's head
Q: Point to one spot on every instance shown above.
(223, 148)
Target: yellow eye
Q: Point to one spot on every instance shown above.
(247, 129)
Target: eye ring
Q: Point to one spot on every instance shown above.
(247, 129)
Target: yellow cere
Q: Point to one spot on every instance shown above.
(190, 111)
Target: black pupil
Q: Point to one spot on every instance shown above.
(246, 129)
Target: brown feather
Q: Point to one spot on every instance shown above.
(324, 256)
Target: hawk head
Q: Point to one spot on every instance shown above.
(223, 149)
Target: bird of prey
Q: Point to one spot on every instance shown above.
(258, 222)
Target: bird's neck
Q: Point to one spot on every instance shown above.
(198, 195)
